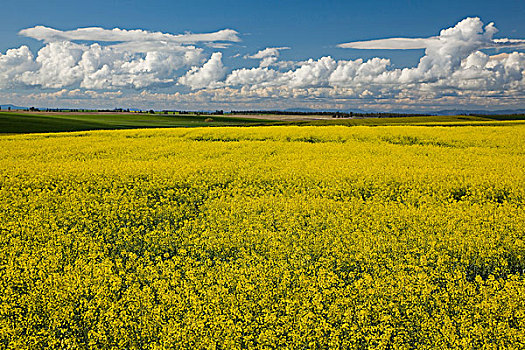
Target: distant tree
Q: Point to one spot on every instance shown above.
(151, 111)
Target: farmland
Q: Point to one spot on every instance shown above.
(386, 237)
(23, 122)
(40, 122)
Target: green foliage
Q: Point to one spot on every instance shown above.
(16, 122)
(12, 122)
(270, 237)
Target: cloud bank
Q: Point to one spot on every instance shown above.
(453, 70)
(268, 56)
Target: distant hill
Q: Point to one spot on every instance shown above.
(354, 110)
(13, 107)
(415, 111)
(331, 110)
(482, 112)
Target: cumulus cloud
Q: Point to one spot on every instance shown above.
(312, 73)
(253, 77)
(424, 43)
(206, 76)
(452, 60)
(117, 59)
(454, 67)
(348, 73)
(57, 66)
(444, 55)
(62, 64)
(13, 64)
(268, 56)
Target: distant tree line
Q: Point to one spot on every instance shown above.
(171, 111)
(77, 110)
(333, 114)
(515, 116)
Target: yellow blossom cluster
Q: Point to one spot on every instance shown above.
(395, 237)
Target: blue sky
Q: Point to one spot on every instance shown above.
(310, 29)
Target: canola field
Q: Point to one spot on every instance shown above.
(392, 237)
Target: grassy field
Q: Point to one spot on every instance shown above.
(387, 237)
(453, 120)
(13, 122)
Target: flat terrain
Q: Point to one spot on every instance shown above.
(36, 122)
(31, 122)
(387, 237)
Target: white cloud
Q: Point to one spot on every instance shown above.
(97, 34)
(67, 64)
(508, 43)
(218, 45)
(118, 58)
(13, 64)
(252, 77)
(444, 55)
(58, 66)
(206, 76)
(140, 59)
(390, 44)
(268, 56)
(452, 68)
(472, 26)
(356, 72)
(312, 73)
(76, 94)
(449, 60)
